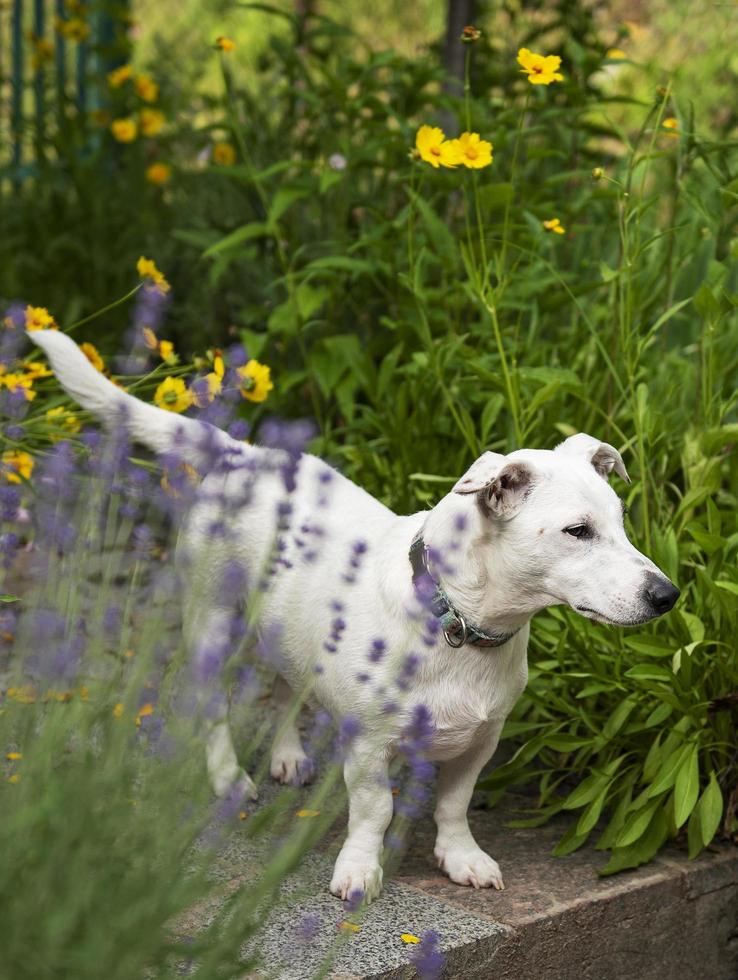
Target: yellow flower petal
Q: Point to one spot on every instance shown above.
(172, 395)
(124, 130)
(307, 813)
(93, 356)
(13, 756)
(349, 926)
(256, 381)
(147, 269)
(540, 69)
(409, 938)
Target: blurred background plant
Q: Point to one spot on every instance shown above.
(585, 280)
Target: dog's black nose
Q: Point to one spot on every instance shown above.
(659, 593)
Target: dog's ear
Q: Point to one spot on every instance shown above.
(604, 457)
(500, 484)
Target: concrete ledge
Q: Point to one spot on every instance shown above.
(556, 918)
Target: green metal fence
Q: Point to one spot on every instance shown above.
(54, 57)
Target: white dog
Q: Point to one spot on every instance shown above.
(435, 606)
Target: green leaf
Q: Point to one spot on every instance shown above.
(246, 233)
(642, 850)
(669, 768)
(283, 200)
(607, 273)
(571, 841)
(592, 786)
(687, 786)
(652, 672)
(694, 834)
(339, 263)
(617, 819)
(636, 824)
(591, 815)
(710, 809)
(618, 718)
(438, 232)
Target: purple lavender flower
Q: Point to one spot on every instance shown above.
(308, 928)
(427, 958)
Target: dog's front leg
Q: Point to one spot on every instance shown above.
(358, 870)
(456, 851)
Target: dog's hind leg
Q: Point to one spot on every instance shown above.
(289, 763)
(208, 635)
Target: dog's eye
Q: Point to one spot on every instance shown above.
(577, 530)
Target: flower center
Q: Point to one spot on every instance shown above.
(471, 153)
(537, 70)
(170, 397)
(436, 151)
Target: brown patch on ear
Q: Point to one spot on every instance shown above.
(505, 494)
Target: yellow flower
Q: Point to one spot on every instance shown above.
(43, 52)
(256, 381)
(540, 69)
(243, 815)
(92, 355)
(158, 173)
(147, 269)
(15, 778)
(435, 149)
(19, 382)
(409, 938)
(349, 926)
(143, 712)
(17, 465)
(118, 76)
(474, 152)
(124, 130)
(25, 694)
(146, 88)
(307, 813)
(118, 710)
(224, 154)
(13, 756)
(152, 121)
(74, 29)
(615, 54)
(39, 318)
(35, 369)
(225, 43)
(67, 418)
(166, 351)
(672, 125)
(554, 225)
(150, 338)
(172, 394)
(218, 365)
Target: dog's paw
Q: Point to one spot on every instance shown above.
(236, 784)
(291, 766)
(357, 880)
(470, 866)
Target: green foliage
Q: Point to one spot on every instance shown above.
(423, 316)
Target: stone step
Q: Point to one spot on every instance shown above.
(556, 919)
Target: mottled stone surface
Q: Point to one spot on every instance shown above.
(556, 918)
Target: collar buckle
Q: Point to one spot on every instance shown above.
(459, 639)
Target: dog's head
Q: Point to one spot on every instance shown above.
(551, 531)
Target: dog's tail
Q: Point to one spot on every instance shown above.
(154, 427)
